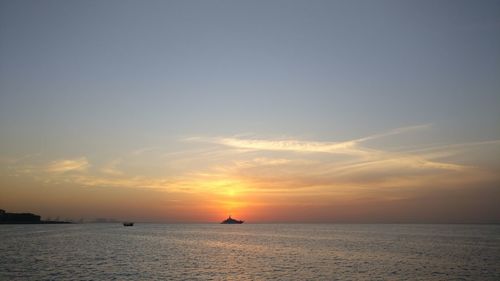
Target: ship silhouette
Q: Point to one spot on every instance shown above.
(230, 220)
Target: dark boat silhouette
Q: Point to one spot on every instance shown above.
(230, 220)
(128, 224)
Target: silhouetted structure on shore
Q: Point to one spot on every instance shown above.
(23, 218)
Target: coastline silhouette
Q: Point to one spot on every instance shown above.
(24, 218)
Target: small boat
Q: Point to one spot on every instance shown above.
(128, 224)
(230, 220)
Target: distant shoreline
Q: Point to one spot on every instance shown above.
(40, 222)
(25, 218)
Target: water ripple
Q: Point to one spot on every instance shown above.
(249, 252)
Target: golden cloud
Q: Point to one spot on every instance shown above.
(62, 166)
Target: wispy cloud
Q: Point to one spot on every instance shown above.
(264, 161)
(450, 149)
(111, 168)
(396, 131)
(350, 147)
(307, 164)
(141, 151)
(361, 155)
(66, 165)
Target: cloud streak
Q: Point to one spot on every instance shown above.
(68, 165)
(350, 147)
(111, 168)
(363, 155)
(302, 165)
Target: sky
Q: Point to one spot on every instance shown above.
(271, 111)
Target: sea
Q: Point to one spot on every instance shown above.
(250, 252)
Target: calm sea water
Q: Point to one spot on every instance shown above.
(249, 252)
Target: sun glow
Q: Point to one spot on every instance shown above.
(224, 187)
(226, 194)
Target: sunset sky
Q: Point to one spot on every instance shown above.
(271, 111)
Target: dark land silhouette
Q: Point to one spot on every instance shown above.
(24, 218)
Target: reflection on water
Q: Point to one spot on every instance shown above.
(249, 252)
